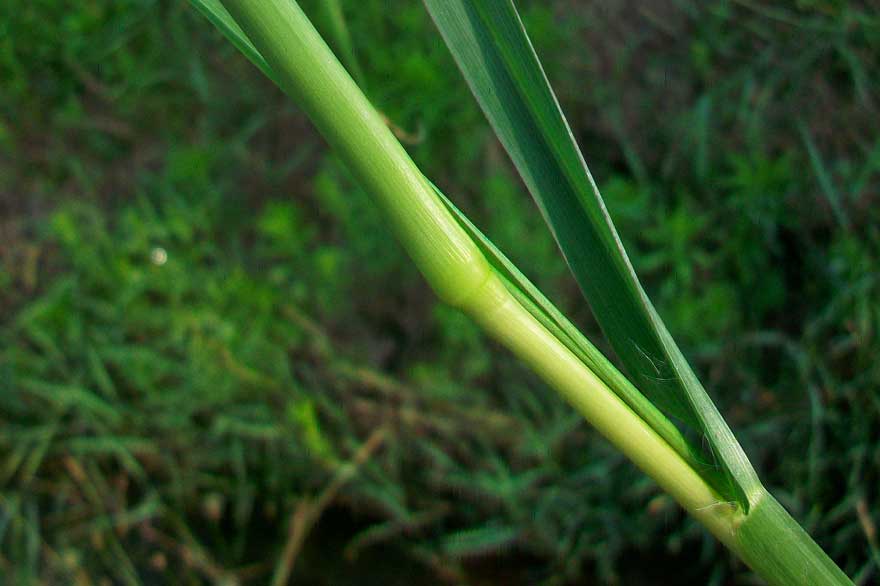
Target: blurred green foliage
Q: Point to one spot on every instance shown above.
(203, 318)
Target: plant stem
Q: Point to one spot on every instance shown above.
(305, 68)
(768, 539)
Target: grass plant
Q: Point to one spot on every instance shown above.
(719, 488)
(206, 326)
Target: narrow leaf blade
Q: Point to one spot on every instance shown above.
(490, 45)
(214, 11)
(536, 303)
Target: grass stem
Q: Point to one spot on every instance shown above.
(452, 263)
(305, 68)
(767, 538)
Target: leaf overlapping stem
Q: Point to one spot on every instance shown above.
(467, 271)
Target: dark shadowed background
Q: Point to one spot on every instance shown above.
(216, 366)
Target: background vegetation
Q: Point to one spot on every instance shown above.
(212, 352)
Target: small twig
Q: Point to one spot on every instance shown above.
(243, 372)
(868, 528)
(389, 388)
(395, 528)
(193, 555)
(404, 136)
(319, 338)
(308, 511)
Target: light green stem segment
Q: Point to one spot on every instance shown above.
(306, 68)
(768, 539)
(452, 263)
(501, 315)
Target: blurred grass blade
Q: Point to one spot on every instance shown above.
(491, 47)
(824, 177)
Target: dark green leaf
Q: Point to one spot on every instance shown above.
(491, 47)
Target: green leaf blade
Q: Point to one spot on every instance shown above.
(217, 14)
(490, 45)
